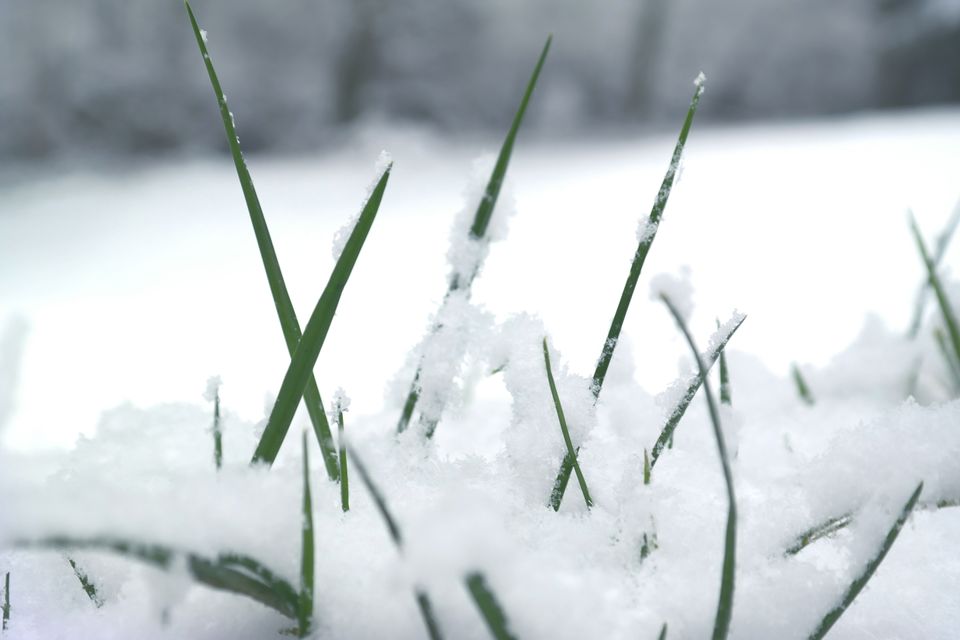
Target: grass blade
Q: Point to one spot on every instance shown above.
(803, 390)
(943, 241)
(344, 475)
(721, 625)
(6, 601)
(301, 365)
(678, 412)
(952, 366)
(663, 632)
(489, 607)
(953, 331)
(423, 600)
(278, 288)
(822, 530)
(563, 428)
(646, 467)
(481, 221)
(252, 579)
(861, 581)
(643, 248)
(305, 608)
(217, 432)
(86, 583)
(725, 394)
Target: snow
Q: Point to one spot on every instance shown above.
(213, 388)
(114, 359)
(677, 288)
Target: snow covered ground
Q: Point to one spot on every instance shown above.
(130, 288)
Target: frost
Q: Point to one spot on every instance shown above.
(213, 388)
(678, 289)
(700, 80)
(341, 400)
(342, 235)
(646, 230)
(203, 35)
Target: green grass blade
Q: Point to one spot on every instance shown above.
(822, 530)
(219, 573)
(217, 433)
(86, 584)
(481, 222)
(678, 412)
(803, 389)
(344, 475)
(943, 241)
(305, 608)
(301, 365)
(489, 607)
(563, 428)
(721, 625)
(646, 467)
(278, 288)
(953, 330)
(952, 366)
(663, 632)
(626, 296)
(861, 581)
(423, 600)
(725, 394)
(6, 601)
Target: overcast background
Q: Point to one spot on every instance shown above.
(123, 77)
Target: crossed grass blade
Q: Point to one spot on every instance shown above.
(721, 625)
(943, 241)
(301, 364)
(481, 222)
(278, 288)
(949, 318)
(861, 580)
(626, 296)
(234, 573)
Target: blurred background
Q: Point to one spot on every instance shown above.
(121, 77)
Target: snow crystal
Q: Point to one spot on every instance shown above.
(213, 388)
(203, 35)
(646, 230)
(700, 80)
(678, 289)
(341, 400)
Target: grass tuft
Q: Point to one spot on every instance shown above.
(481, 221)
(301, 365)
(566, 432)
(271, 266)
(489, 607)
(861, 580)
(803, 389)
(86, 584)
(721, 625)
(305, 607)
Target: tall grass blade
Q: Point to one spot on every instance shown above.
(301, 365)
(217, 432)
(423, 600)
(6, 601)
(803, 389)
(626, 296)
(725, 394)
(943, 241)
(861, 581)
(305, 608)
(721, 625)
(278, 288)
(344, 475)
(86, 584)
(666, 434)
(953, 330)
(489, 607)
(481, 222)
(228, 572)
(563, 428)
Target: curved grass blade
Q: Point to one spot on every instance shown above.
(301, 365)
(953, 330)
(218, 573)
(481, 221)
(423, 600)
(678, 412)
(861, 581)
(563, 428)
(86, 584)
(643, 248)
(271, 266)
(943, 241)
(305, 608)
(721, 625)
(803, 390)
(6, 601)
(489, 607)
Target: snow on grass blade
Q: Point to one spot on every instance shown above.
(423, 600)
(822, 530)
(251, 579)
(645, 241)
(721, 625)
(943, 241)
(86, 584)
(489, 607)
(305, 607)
(6, 601)
(278, 288)
(678, 412)
(566, 432)
(861, 581)
(481, 221)
(300, 370)
(803, 389)
(949, 319)
(725, 396)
